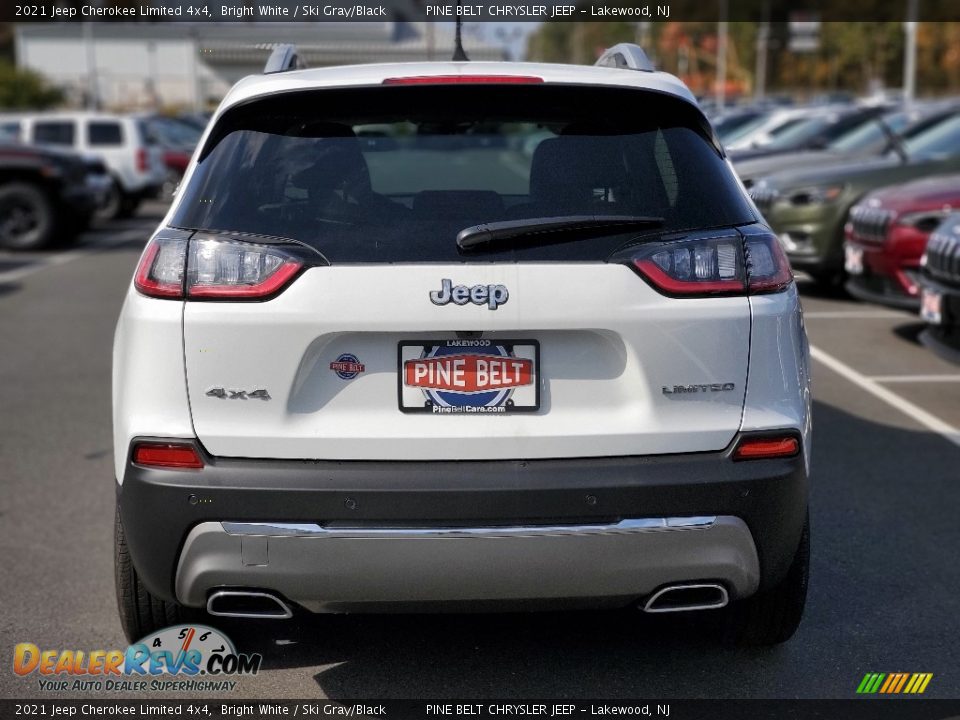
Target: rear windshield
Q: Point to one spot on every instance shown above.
(392, 174)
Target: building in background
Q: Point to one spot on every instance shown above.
(128, 66)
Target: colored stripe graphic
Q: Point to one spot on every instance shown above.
(894, 683)
(903, 680)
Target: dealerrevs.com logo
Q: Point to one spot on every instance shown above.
(178, 658)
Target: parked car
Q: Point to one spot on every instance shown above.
(808, 208)
(814, 132)
(730, 122)
(177, 140)
(119, 141)
(886, 234)
(765, 128)
(449, 374)
(876, 137)
(940, 290)
(46, 196)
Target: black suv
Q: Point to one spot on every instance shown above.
(45, 195)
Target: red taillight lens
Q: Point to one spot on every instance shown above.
(464, 79)
(142, 160)
(768, 269)
(728, 265)
(711, 266)
(226, 270)
(215, 269)
(160, 272)
(759, 448)
(167, 455)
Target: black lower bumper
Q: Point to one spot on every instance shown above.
(882, 291)
(160, 507)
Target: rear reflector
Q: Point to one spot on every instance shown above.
(464, 79)
(167, 455)
(766, 447)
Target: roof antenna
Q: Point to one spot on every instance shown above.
(458, 54)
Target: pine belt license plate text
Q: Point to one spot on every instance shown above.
(469, 376)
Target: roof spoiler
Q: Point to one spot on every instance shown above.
(284, 58)
(625, 56)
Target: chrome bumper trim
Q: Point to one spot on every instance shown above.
(356, 569)
(313, 530)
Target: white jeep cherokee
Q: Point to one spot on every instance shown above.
(462, 335)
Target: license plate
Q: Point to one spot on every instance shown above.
(931, 306)
(468, 376)
(853, 259)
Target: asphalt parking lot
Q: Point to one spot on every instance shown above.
(885, 494)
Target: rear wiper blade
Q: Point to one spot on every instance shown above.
(545, 230)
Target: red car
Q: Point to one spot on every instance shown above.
(886, 234)
(175, 161)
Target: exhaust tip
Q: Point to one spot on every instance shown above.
(248, 604)
(686, 598)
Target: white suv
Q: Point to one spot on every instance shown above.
(121, 142)
(378, 356)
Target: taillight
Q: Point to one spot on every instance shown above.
(213, 268)
(237, 271)
(728, 265)
(464, 79)
(765, 448)
(167, 455)
(142, 160)
(768, 269)
(160, 272)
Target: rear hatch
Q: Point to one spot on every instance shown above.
(396, 342)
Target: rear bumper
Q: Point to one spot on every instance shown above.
(435, 532)
(341, 570)
(881, 290)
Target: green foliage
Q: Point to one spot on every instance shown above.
(25, 89)
(852, 56)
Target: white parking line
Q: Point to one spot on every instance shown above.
(870, 385)
(857, 314)
(914, 378)
(61, 258)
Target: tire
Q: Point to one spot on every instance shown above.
(27, 217)
(112, 203)
(772, 616)
(141, 613)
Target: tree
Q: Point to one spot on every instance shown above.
(25, 89)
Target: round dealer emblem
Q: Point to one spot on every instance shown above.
(347, 366)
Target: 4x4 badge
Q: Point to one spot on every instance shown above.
(227, 394)
(492, 295)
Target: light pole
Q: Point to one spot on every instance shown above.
(910, 53)
(93, 91)
(763, 41)
(721, 88)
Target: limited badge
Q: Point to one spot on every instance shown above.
(347, 366)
